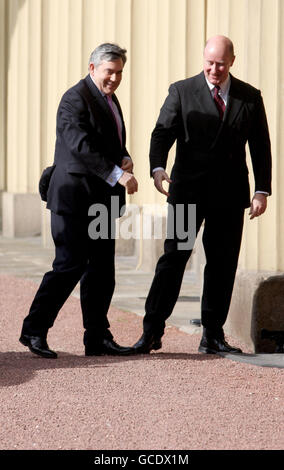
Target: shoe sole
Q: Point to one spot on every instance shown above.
(34, 351)
(108, 354)
(204, 350)
(104, 353)
(155, 347)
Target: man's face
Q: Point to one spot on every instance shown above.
(217, 63)
(107, 76)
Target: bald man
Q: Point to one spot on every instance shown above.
(211, 117)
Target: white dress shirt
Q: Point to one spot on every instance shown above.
(224, 89)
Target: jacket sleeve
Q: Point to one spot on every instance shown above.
(85, 143)
(260, 147)
(166, 130)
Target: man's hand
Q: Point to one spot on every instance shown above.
(127, 165)
(159, 176)
(258, 205)
(129, 182)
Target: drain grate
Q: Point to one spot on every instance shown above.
(183, 298)
(187, 298)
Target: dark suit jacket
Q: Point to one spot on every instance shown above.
(210, 164)
(87, 148)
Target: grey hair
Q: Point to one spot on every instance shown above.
(108, 52)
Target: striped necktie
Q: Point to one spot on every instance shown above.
(219, 102)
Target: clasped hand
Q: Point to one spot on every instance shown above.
(127, 179)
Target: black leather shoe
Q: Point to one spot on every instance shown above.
(146, 343)
(215, 346)
(110, 347)
(38, 345)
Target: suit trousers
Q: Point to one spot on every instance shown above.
(77, 258)
(221, 240)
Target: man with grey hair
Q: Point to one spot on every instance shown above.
(108, 52)
(91, 167)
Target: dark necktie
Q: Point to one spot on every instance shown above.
(219, 102)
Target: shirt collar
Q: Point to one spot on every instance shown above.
(224, 85)
(103, 94)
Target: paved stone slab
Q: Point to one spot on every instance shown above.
(262, 360)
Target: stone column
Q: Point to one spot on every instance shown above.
(21, 202)
(3, 102)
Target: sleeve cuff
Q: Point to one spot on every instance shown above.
(157, 168)
(114, 176)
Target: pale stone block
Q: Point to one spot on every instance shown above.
(149, 250)
(257, 304)
(21, 214)
(47, 240)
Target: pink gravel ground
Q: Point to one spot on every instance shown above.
(172, 399)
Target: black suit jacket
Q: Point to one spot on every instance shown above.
(210, 164)
(86, 150)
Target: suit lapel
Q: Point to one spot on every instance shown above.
(204, 98)
(97, 98)
(206, 103)
(235, 103)
(207, 107)
(115, 100)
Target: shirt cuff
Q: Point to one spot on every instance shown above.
(157, 168)
(262, 192)
(114, 176)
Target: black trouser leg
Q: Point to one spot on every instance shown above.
(97, 286)
(221, 240)
(77, 257)
(168, 277)
(53, 291)
(56, 286)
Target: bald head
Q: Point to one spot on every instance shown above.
(222, 43)
(218, 58)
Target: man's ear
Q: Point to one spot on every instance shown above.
(91, 68)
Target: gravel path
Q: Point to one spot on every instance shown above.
(175, 398)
